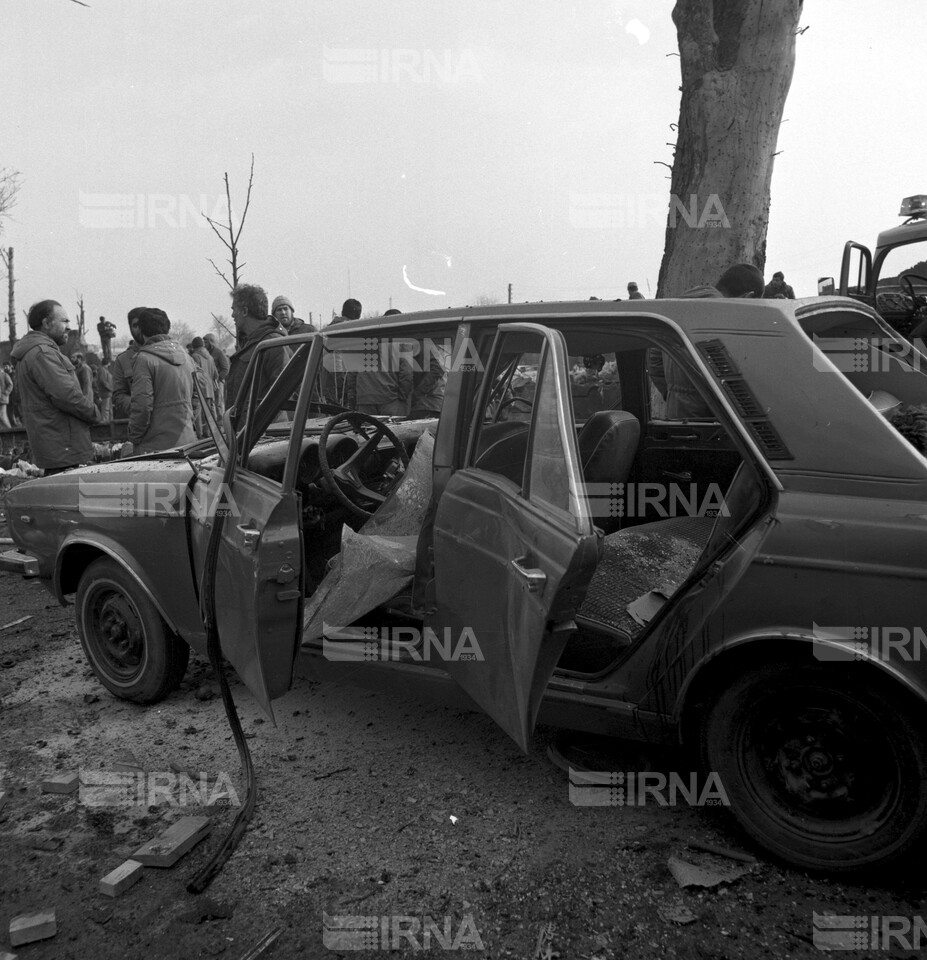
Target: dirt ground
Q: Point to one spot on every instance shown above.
(369, 807)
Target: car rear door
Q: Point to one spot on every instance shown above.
(514, 545)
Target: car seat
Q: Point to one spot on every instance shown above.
(607, 446)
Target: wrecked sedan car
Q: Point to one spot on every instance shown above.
(552, 546)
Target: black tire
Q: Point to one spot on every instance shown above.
(823, 767)
(129, 646)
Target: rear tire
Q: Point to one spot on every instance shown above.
(823, 767)
(129, 646)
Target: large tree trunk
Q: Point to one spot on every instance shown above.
(737, 61)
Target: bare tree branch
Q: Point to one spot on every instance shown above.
(244, 214)
(234, 233)
(221, 274)
(215, 229)
(10, 182)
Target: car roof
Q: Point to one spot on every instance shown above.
(688, 312)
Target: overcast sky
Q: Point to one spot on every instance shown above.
(454, 147)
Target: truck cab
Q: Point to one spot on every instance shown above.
(893, 278)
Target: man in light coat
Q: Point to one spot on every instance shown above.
(208, 382)
(6, 389)
(56, 413)
(222, 369)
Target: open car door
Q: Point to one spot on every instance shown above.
(514, 546)
(259, 561)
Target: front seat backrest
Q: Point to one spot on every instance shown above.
(607, 446)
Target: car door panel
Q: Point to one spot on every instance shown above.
(685, 453)
(512, 569)
(258, 580)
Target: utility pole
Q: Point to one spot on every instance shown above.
(510, 293)
(11, 301)
(80, 317)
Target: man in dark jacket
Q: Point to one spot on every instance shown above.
(778, 289)
(122, 368)
(249, 311)
(56, 413)
(332, 378)
(285, 314)
(161, 411)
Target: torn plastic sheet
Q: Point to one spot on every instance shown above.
(377, 563)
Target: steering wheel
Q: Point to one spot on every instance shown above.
(513, 399)
(916, 298)
(346, 481)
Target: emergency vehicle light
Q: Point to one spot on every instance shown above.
(915, 206)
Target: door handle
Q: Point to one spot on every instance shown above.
(533, 577)
(249, 535)
(684, 476)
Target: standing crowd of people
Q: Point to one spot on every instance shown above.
(162, 388)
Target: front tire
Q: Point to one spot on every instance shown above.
(129, 646)
(823, 767)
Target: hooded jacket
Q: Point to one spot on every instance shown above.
(238, 364)
(55, 411)
(161, 409)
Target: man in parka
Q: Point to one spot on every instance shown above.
(161, 410)
(249, 311)
(56, 413)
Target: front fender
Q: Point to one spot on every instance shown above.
(180, 612)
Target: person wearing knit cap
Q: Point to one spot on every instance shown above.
(285, 314)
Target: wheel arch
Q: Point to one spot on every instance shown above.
(76, 556)
(750, 653)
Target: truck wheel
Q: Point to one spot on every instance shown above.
(128, 644)
(821, 766)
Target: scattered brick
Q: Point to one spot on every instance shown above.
(117, 881)
(33, 926)
(66, 783)
(175, 842)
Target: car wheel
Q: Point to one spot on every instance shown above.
(128, 644)
(821, 766)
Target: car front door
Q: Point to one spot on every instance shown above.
(259, 562)
(514, 546)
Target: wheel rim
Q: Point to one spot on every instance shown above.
(818, 762)
(115, 632)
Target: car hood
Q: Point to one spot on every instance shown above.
(100, 488)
